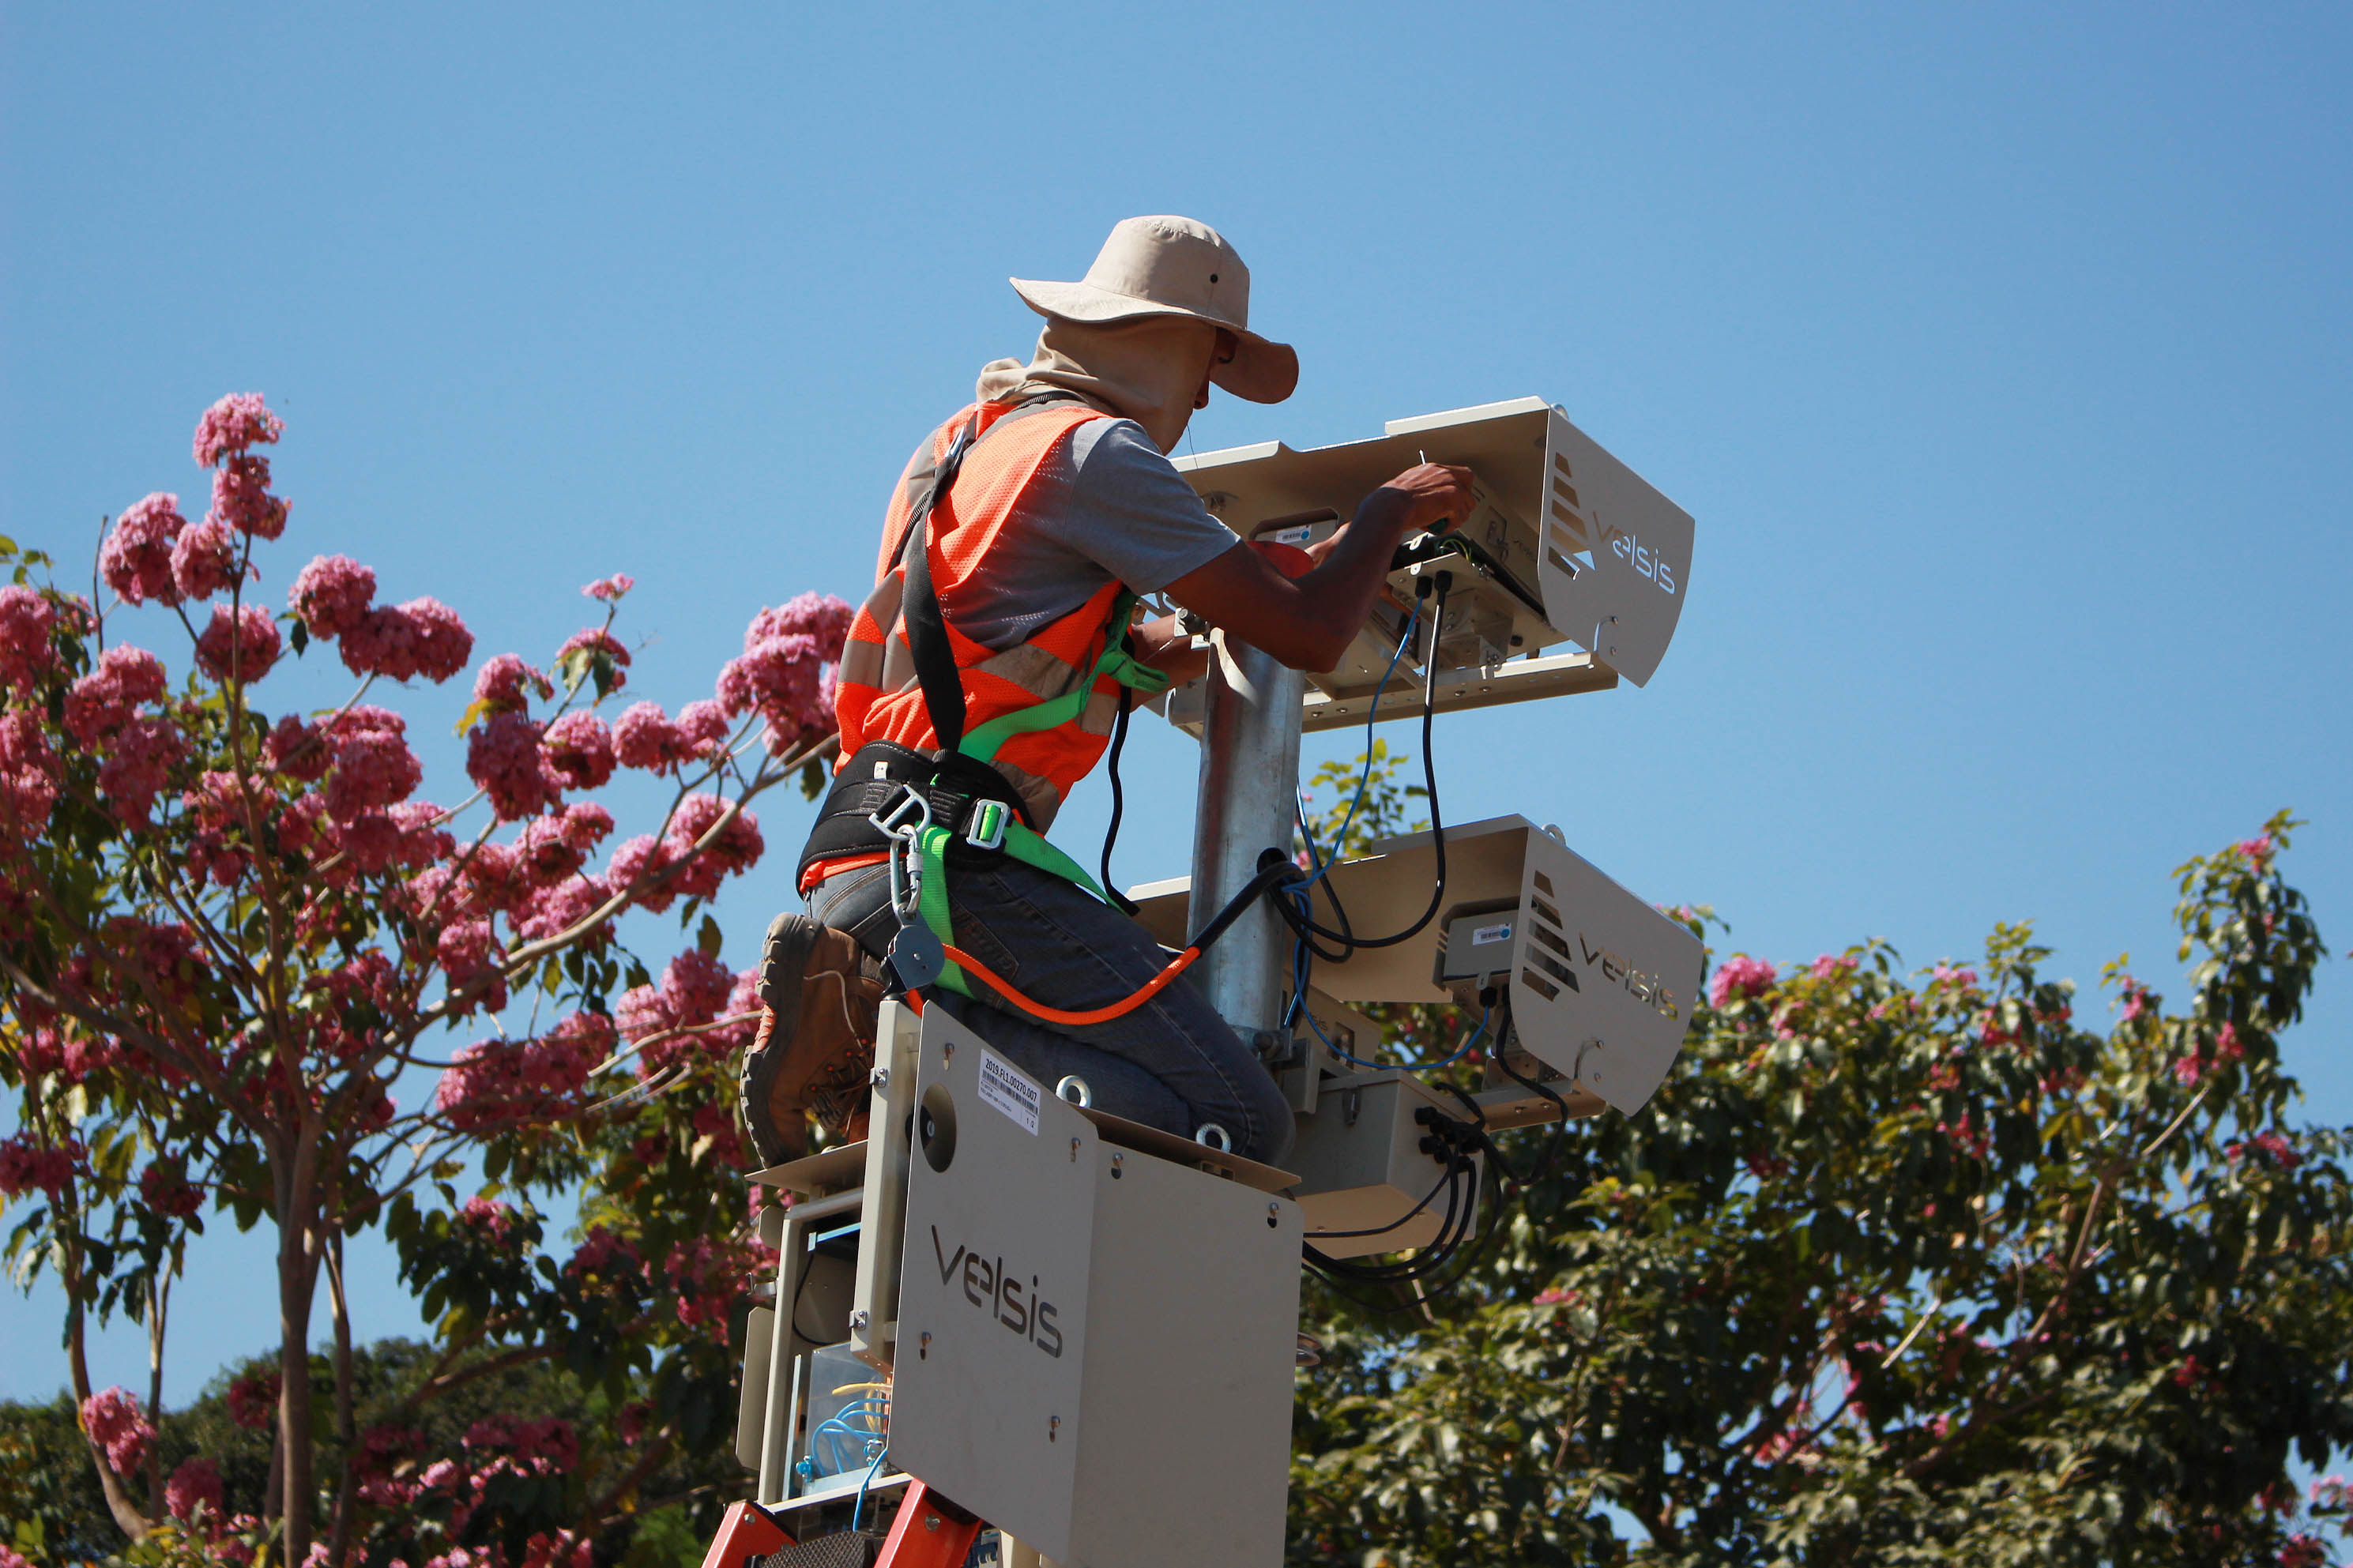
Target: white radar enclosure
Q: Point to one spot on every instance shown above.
(1569, 544)
(1602, 985)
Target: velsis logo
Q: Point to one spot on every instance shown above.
(1018, 1310)
(1630, 548)
(1650, 990)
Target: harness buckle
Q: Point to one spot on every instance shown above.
(907, 818)
(986, 828)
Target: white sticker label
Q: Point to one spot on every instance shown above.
(1006, 1087)
(1298, 536)
(1481, 936)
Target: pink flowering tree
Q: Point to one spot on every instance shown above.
(248, 970)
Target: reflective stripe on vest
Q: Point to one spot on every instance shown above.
(1041, 711)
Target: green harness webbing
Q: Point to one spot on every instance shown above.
(1022, 843)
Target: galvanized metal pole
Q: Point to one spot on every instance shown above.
(1248, 786)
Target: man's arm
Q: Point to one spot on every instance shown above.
(1308, 621)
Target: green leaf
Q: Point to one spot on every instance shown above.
(707, 937)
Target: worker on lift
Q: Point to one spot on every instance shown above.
(984, 675)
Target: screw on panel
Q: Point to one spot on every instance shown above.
(1074, 1151)
(948, 1051)
(858, 1320)
(1273, 1216)
(1116, 1172)
(931, 1521)
(880, 1078)
(924, 1347)
(1053, 1428)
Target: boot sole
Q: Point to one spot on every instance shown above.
(784, 958)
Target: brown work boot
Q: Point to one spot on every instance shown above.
(819, 993)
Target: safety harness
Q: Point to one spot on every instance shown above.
(927, 808)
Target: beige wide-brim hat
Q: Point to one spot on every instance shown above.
(1174, 266)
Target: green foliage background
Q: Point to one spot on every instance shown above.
(1895, 1268)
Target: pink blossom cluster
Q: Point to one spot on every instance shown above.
(135, 558)
(253, 1400)
(119, 1426)
(489, 1218)
(694, 990)
(141, 954)
(372, 767)
(499, 1080)
(423, 637)
(470, 953)
(65, 1053)
(553, 847)
(579, 749)
(2139, 998)
(594, 640)
(717, 1121)
(135, 772)
(1832, 966)
(557, 909)
(204, 560)
(610, 588)
(240, 646)
(602, 1253)
(164, 1187)
(742, 1004)
(241, 498)
(2274, 1147)
(331, 594)
(98, 704)
(231, 426)
(1740, 976)
(2195, 1063)
(1951, 975)
(2257, 851)
(550, 1438)
(707, 1278)
(25, 623)
(2303, 1549)
(28, 1167)
(644, 737)
(502, 684)
(28, 777)
(781, 673)
(736, 849)
(298, 750)
(196, 1483)
(503, 756)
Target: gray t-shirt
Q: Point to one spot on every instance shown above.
(1107, 504)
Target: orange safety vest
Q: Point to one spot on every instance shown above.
(880, 695)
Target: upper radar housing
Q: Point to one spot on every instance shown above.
(1569, 545)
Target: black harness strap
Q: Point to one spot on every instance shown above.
(927, 627)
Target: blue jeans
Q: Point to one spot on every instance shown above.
(1172, 1063)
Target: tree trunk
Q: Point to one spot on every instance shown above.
(339, 1539)
(118, 1502)
(297, 1281)
(159, 1293)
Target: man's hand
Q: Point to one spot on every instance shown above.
(1307, 622)
(1426, 498)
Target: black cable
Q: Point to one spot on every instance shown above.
(1444, 1178)
(1118, 801)
(1315, 867)
(1302, 921)
(1273, 869)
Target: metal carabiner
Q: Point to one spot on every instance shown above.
(906, 879)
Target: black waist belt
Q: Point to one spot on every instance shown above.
(879, 777)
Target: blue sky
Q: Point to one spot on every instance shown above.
(2003, 354)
